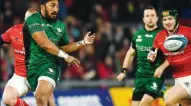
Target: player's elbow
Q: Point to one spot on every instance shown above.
(46, 46)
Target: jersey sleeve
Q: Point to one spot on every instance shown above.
(64, 40)
(5, 37)
(34, 23)
(189, 35)
(133, 41)
(155, 43)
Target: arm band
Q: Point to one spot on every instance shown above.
(124, 70)
(62, 54)
(81, 43)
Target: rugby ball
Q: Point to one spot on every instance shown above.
(175, 42)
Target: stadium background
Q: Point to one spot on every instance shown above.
(114, 21)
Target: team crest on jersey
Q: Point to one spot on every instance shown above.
(139, 39)
(59, 30)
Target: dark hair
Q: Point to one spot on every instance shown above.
(45, 1)
(149, 8)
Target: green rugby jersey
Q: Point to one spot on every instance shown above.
(55, 31)
(142, 42)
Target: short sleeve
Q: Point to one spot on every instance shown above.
(34, 23)
(6, 36)
(64, 40)
(133, 41)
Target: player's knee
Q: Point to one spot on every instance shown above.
(168, 101)
(145, 103)
(9, 100)
(41, 100)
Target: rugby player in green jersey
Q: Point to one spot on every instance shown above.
(146, 87)
(45, 39)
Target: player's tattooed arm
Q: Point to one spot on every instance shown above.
(74, 46)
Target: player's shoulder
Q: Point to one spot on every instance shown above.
(138, 32)
(18, 26)
(34, 16)
(162, 32)
(61, 23)
(184, 27)
(15, 28)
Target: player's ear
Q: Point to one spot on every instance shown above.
(157, 18)
(143, 19)
(42, 7)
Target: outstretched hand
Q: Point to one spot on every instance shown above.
(89, 38)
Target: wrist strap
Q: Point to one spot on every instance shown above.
(62, 54)
(81, 43)
(124, 70)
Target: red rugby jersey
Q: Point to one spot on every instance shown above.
(180, 61)
(14, 36)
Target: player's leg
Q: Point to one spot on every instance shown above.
(138, 92)
(51, 101)
(43, 82)
(146, 100)
(15, 88)
(43, 92)
(152, 89)
(175, 94)
(185, 102)
(137, 96)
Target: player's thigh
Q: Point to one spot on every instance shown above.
(176, 93)
(139, 89)
(51, 75)
(135, 103)
(185, 102)
(44, 90)
(147, 98)
(153, 87)
(17, 86)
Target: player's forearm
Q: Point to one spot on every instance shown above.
(164, 65)
(129, 58)
(43, 41)
(72, 47)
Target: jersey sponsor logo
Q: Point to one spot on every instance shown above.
(34, 25)
(154, 86)
(22, 52)
(148, 36)
(143, 48)
(174, 53)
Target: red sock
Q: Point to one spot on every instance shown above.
(21, 102)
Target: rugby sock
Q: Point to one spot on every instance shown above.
(21, 102)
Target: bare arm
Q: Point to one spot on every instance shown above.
(43, 41)
(71, 47)
(129, 58)
(74, 46)
(127, 62)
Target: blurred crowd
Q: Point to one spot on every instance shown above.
(113, 21)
